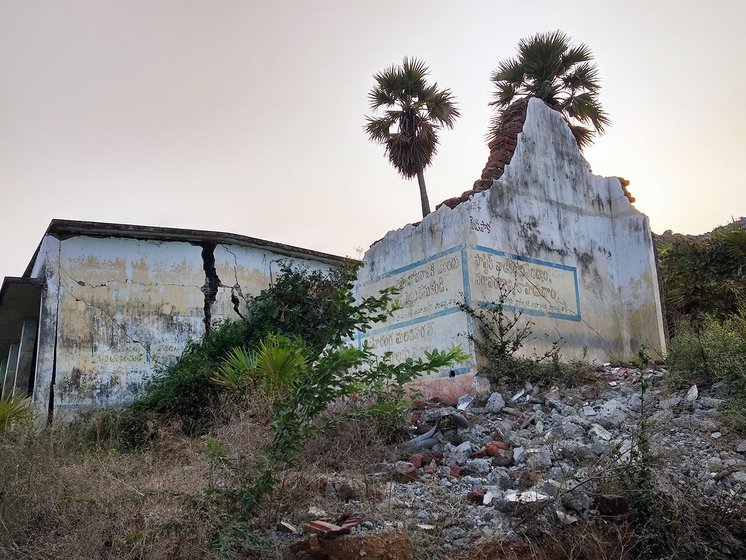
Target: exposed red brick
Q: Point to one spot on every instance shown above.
(324, 529)
(457, 472)
(405, 472)
(496, 449)
(417, 460)
(501, 148)
(610, 504)
(476, 496)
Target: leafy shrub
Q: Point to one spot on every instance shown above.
(704, 276)
(301, 303)
(714, 350)
(128, 429)
(13, 410)
(501, 336)
(274, 364)
(183, 389)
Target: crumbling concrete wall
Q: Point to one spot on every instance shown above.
(575, 256)
(116, 310)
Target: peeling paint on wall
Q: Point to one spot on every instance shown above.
(576, 256)
(118, 303)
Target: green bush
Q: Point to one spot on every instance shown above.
(714, 350)
(704, 276)
(128, 429)
(500, 336)
(13, 410)
(308, 304)
(183, 389)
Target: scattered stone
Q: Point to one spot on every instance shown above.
(519, 455)
(741, 447)
(525, 497)
(316, 513)
(478, 466)
(577, 500)
(692, 394)
(476, 496)
(404, 472)
(495, 403)
(668, 404)
(601, 432)
(464, 401)
(285, 527)
(457, 455)
(565, 518)
(518, 395)
(611, 414)
(589, 411)
(716, 435)
(739, 477)
(612, 504)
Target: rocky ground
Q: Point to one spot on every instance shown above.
(498, 470)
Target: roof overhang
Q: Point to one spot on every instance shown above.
(64, 229)
(19, 298)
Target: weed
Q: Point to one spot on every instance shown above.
(501, 336)
(14, 410)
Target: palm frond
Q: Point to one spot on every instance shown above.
(279, 361)
(379, 129)
(548, 67)
(576, 55)
(13, 410)
(409, 133)
(586, 108)
(583, 136)
(235, 371)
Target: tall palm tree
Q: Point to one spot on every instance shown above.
(560, 74)
(412, 113)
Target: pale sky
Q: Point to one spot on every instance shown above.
(247, 117)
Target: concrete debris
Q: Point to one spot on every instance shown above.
(546, 454)
(692, 394)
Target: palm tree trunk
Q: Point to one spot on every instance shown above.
(423, 194)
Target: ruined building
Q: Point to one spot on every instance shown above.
(102, 306)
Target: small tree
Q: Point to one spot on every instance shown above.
(562, 75)
(413, 113)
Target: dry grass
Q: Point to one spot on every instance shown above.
(64, 497)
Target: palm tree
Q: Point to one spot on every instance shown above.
(560, 74)
(412, 113)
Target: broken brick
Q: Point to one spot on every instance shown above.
(404, 472)
(417, 460)
(476, 496)
(324, 529)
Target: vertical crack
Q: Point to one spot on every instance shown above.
(212, 282)
(53, 380)
(236, 288)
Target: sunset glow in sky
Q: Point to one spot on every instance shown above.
(247, 117)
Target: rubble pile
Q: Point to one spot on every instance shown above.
(502, 465)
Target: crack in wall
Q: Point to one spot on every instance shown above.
(53, 380)
(106, 283)
(212, 282)
(236, 288)
(121, 327)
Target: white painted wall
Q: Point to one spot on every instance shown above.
(120, 309)
(578, 254)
